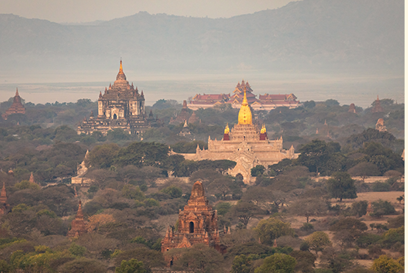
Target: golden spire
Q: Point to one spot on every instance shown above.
(226, 131)
(245, 115)
(121, 68)
(263, 130)
(245, 101)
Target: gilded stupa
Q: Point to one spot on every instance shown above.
(246, 145)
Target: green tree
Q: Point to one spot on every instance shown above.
(103, 156)
(382, 207)
(277, 263)
(257, 170)
(313, 155)
(385, 264)
(359, 208)
(244, 211)
(77, 250)
(318, 240)
(199, 258)
(241, 264)
(173, 191)
(270, 229)
(308, 207)
(131, 266)
(340, 185)
(143, 154)
(222, 208)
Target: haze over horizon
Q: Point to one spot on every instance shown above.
(85, 11)
(349, 50)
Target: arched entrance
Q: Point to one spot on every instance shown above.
(191, 227)
(239, 177)
(115, 116)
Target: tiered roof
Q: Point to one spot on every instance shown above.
(16, 108)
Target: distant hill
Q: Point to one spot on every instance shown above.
(309, 34)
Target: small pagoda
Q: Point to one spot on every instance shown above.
(197, 224)
(16, 108)
(78, 225)
(377, 106)
(4, 206)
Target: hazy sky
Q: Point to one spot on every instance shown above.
(75, 11)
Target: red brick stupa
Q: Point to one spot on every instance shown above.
(377, 107)
(16, 108)
(196, 224)
(4, 207)
(78, 226)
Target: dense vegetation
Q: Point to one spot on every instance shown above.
(278, 223)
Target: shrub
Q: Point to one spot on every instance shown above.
(306, 227)
(396, 222)
(367, 239)
(393, 236)
(375, 250)
(381, 208)
(385, 264)
(380, 186)
(359, 208)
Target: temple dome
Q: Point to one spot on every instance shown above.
(121, 76)
(245, 115)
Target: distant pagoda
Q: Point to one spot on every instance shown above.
(120, 107)
(78, 226)
(265, 102)
(197, 224)
(16, 108)
(4, 206)
(377, 106)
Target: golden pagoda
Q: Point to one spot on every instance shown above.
(246, 145)
(245, 115)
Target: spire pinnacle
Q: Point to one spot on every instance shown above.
(245, 101)
(120, 67)
(32, 178)
(17, 92)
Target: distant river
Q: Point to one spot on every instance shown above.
(359, 89)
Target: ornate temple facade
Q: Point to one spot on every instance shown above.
(120, 107)
(197, 223)
(16, 108)
(246, 145)
(264, 102)
(78, 225)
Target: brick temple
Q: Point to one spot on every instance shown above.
(78, 225)
(16, 108)
(197, 224)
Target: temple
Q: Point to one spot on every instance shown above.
(184, 115)
(264, 102)
(82, 170)
(78, 226)
(377, 106)
(120, 107)
(4, 206)
(380, 125)
(196, 224)
(16, 108)
(352, 108)
(246, 145)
